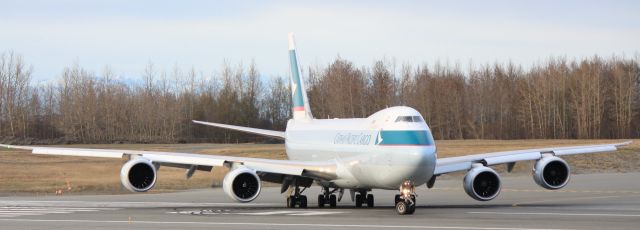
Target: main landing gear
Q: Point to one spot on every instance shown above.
(406, 200)
(297, 199)
(363, 198)
(327, 198)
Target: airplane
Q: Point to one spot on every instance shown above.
(392, 149)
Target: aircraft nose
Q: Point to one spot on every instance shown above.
(420, 163)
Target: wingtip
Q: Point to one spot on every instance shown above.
(196, 121)
(16, 147)
(625, 143)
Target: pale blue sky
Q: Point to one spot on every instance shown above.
(202, 34)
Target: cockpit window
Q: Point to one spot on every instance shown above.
(409, 119)
(404, 119)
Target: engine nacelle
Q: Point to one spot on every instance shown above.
(138, 175)
(551, 172)
(242, 184)
(482, 183)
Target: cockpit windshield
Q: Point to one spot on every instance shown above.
(409, 119)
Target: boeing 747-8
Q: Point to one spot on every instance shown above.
(391, 149)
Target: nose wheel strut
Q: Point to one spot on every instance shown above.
(406, 200)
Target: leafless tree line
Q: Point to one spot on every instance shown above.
(588, 98)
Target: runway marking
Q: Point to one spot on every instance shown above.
(568, 199)
(557, 214)
(551, 191)
(315, 213)
(10, 211)
(125, 204)
(263, 213)
(273, 224)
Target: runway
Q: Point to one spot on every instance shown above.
(592, 201)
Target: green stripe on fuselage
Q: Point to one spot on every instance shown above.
(406, 137)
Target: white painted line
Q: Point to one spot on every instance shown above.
(267, 224)
(48, 209)
(65, 208)
(264, 213)
(314, 213)
(25, 214)
(557, 214)
(125, 204)
(22, 211)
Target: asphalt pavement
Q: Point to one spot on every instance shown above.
(591, 201)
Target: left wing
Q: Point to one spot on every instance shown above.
(463, 163)
(315, 170)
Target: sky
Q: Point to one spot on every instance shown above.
(126, 35)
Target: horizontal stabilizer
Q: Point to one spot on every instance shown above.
(263, 132)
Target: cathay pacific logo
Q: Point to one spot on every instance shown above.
(352, 138)
(379, 139)
(294, 86)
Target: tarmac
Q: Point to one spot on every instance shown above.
(590, 201)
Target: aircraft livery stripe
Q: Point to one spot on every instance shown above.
(405, 137)
(295, 77)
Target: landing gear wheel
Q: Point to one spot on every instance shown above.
(412, 208)
(291, 202)
(370, 200)
(321, 201)
(332, 201)
(303, 201)
(397, 199)
(402, 207)
(359, 201)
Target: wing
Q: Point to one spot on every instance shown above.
(463, 163)
(263, 132)
(314, 170)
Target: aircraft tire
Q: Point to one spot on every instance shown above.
(402, 207)
(321, 201)
(332, 201)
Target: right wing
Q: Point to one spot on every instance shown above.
(263, 132)
(464, 163)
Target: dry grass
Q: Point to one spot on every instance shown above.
(22, 172)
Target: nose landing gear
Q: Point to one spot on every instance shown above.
(406, 200)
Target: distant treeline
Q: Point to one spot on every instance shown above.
(560, 98)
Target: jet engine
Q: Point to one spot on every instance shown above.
(242, 184)
(551, 172)
(482, 183)
(138, 175)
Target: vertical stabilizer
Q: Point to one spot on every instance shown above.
(300, 104)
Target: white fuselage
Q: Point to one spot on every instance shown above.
(380, 151)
